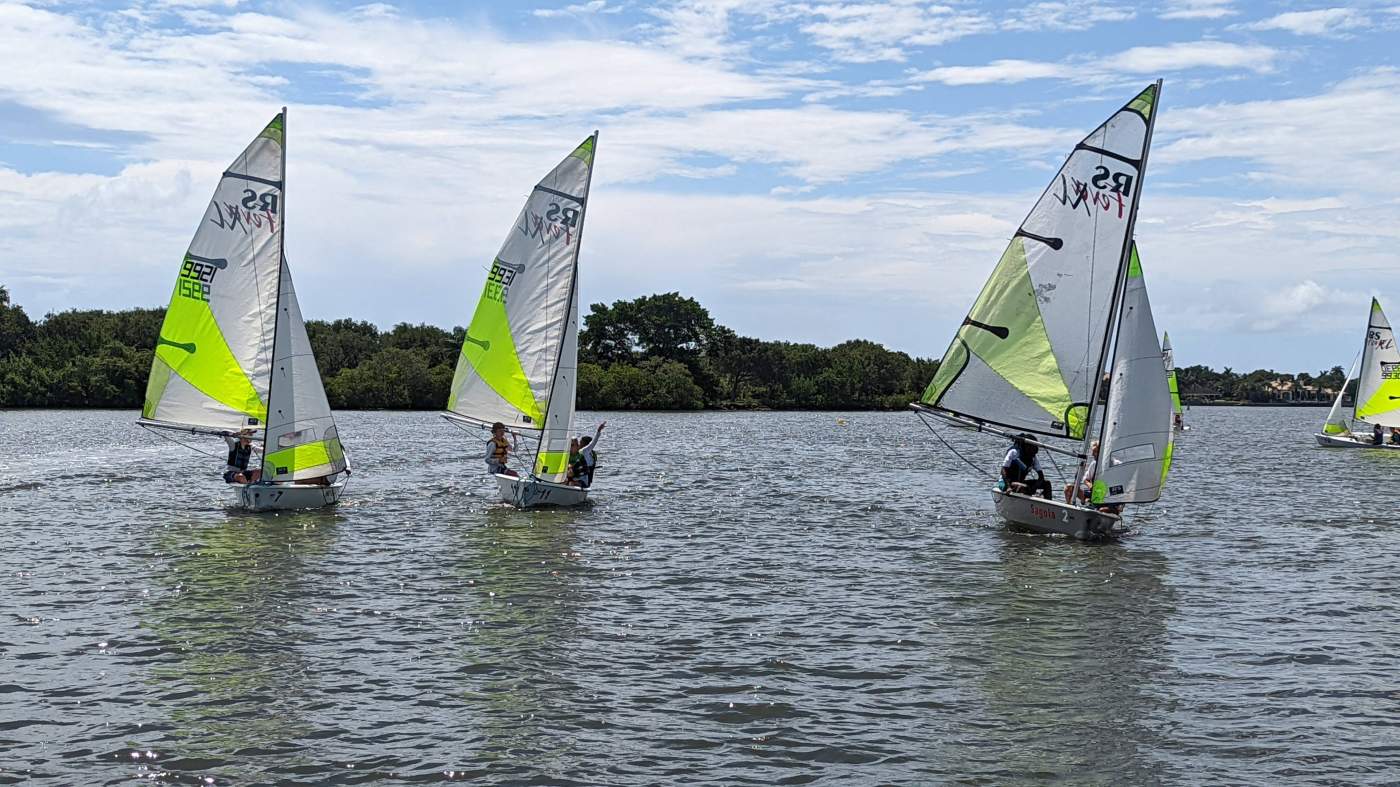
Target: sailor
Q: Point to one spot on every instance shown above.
(1086, 485)
(240, 450)
(1377, 435)
(498, 450)
(1395, 435)
(583, 461)
(1017, 466)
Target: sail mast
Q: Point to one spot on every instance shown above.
(1119, 284)
(281, 263)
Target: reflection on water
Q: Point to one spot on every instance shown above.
(754, 598)
(229, 611)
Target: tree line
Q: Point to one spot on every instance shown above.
(658, 352)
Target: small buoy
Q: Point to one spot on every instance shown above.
(840, 421)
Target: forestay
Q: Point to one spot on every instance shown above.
(518, 359)
(1135, 452)
(214, 352)
(302, 441)
(1028, 353)
(1378, 392)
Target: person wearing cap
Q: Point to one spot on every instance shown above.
(498, 450)
(240, 450)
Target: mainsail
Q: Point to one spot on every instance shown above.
(1136, 449)
(1170, 362)
(1378, 392)
(233, 351)
(1029, 354)
(519, 357)
(213, 356)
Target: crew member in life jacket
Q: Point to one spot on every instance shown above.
(498, 450)
(583, 459)
(240, 450)
(1018, 465)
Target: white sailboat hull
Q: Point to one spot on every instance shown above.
(533, 493)
(1052, 517)
(1355, 441)
(287, 497)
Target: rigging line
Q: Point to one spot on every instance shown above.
(177, 442)
(945, 443)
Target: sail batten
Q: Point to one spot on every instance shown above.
(1029, 353)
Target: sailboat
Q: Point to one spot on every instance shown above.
(1178, 418)
(233, 355)
(1030, 355)
(520, 354)
(1377, 390)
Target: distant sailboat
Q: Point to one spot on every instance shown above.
(233, 353)
(1030, 355)
(520, 354)
(1178, 418)
(1377, 391)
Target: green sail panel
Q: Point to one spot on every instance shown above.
(1028, 354)
(518, 358)
(1005, 331)
(1378, 392)
(213, 356)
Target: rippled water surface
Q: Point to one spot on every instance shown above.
(754, 598)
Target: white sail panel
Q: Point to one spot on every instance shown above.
(551, 463)
(1378, 392)
(1039, 324)
(302, 440)
(512, 350)
(1136, 448)
(216, 340)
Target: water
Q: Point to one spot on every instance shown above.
(753, 599)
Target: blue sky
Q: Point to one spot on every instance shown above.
(811, 171)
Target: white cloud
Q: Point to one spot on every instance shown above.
(1055, 15)
(871, 32)
(997, 71)
(577, 9)
(1194, 54)
(1138, 60)
(1305, 301)
(1321, 22)
(1343, 137)
(1197, 9)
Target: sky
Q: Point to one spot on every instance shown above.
(809, 171)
